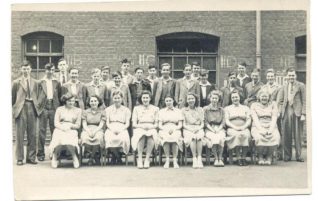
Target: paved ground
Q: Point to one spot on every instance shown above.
(39, 181)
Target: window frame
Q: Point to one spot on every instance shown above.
(300, 55)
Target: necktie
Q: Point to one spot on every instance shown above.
(28, 89)
(290, 95)
(63, 79)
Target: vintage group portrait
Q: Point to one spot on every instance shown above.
(139, 99)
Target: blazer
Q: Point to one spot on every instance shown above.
(226, 95)
(81, 92)
(133, 90)
(245, 81)
(57, 91)
(19, 94)
(157, 90)
(182, 91)
(299, 101)
(205, 101)
(250, 92)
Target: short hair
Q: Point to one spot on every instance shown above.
(232, 73)
(152, 67)
(165, 64)
(187, 65)
(61, 59)
(242, 64)
(66, 97)
(256, 70)
(125, 61)
(170, 96)
(217, 93)
(72, 68)
(138, 68)
(100, 102)
(26, 63)
(263, 91)
(196, 103)
(118, 92)
(144, 92)
(291, 69)
(103, 68)
(196, 63)
(235, 91)
(49, 66)
(117, 74)
(270, 70)
(204, 72)
(95, 70)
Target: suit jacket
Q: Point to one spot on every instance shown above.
(226, 95)
(58, 76)
(245, 81)
(273, 90)
(205, 101)
(19, 94)
(81, 92)
(133, 90)
(251, 91)
(103, 93)
(157, 93)
(299, 100)
(182, 91)
(57, 91)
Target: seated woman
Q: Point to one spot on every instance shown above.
(145, 124)
(117, 121)
(264, 128)
(67, 121)
(170, 124)
(92, 137)
(238, 120)
(214, 123)
(193, 129)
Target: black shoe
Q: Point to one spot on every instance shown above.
(19, 162)
(300, 160)
(31, 162)
(41, 158)
(240, 162)
(113, 160)
(244, 162)
(119, 161)
(287, 159)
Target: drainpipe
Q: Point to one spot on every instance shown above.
(258, 39)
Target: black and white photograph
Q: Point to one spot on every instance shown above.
(159, 99)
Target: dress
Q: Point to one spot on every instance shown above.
(117, 117)
(169, 119)
(192, 118)
(238, 115)
(65, 117)
(214, 117)
(143, 115)
(93, 120)
(263, 114)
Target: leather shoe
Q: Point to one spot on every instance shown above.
(300, 160)
(41, 158)
(19, 162)
(31, 162)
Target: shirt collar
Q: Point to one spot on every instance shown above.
(136, 81)
(93, 84)
(241, 78)
(77, 82)
(172, 109)
(45, 78)
(206, 84)
(167, 79)
(148, 78)
(210, 107)
(184, 78)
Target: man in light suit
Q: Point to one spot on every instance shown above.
(25, 111)
(186, 85)
(242, 77)
(49, 99)
(62, 75)
(292, 107)
(125, 67)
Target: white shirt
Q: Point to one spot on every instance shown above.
(49, 88)
(73, 87)
(203, 86)
(241, 78)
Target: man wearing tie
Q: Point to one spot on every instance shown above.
(252, 88)
(227, 90)
(62, 66)
(292, 107)
(49, 97)
(242, 77)
(25, 109)
(152, 76)
(206, 88)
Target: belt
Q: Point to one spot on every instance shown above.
(28, 100)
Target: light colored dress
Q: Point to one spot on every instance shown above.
(93, 120)
(117, 117)
(65, 117)
(170, 119)
(214, 117)
(264, 116)
(143, 115)
(192, 118)
(238, 115)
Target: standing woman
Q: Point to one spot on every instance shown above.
(92, 137)
(214, 123)
(145, 124)
(264, 129)
(117, 122)
(170, 124)
(67, 121)
(120, 86)
(238, 120)
(193, 128)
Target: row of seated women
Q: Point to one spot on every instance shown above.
(172, 128)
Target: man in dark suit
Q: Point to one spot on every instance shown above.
(137, 86)
(206, 88)
(252, 88)
(25, 110)
(292, 107)
(62, 74)
(242, 77)
(49, 99)
(231, 85)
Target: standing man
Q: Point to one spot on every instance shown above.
(271, 86)
(25, 109)
(242, 77)
(226, 91)
(77, 88)
(125, 67)
(63, 67)
(196, 69)
(137, 86)
(152, 76)
(186, 85)
(292, 107)
(106, 77)
(252, 88)
(206, 87)
(49, 97)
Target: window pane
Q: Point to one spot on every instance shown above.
(209, 63)
(212, 77)
(209, 46)
(178, 74)
(164, 46)
(301, 63)
(43, 61)
(194, 46)
(165, 60)
(44, 45)
(31, 46)
(300, 43)
(301, 76)
(55, 60)
(179, 45)
(179, 63)
(194, 59)
(33, 62)
(57, 46)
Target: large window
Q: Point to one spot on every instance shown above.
(178, 49)
(41, 48)
(301, 51)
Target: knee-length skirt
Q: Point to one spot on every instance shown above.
(188, 136)
(62, 138)
(268, 140)
(213, 138)
(98, 139)
(175, 137)
(237, 138)
(138, 133)
(120, 140)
